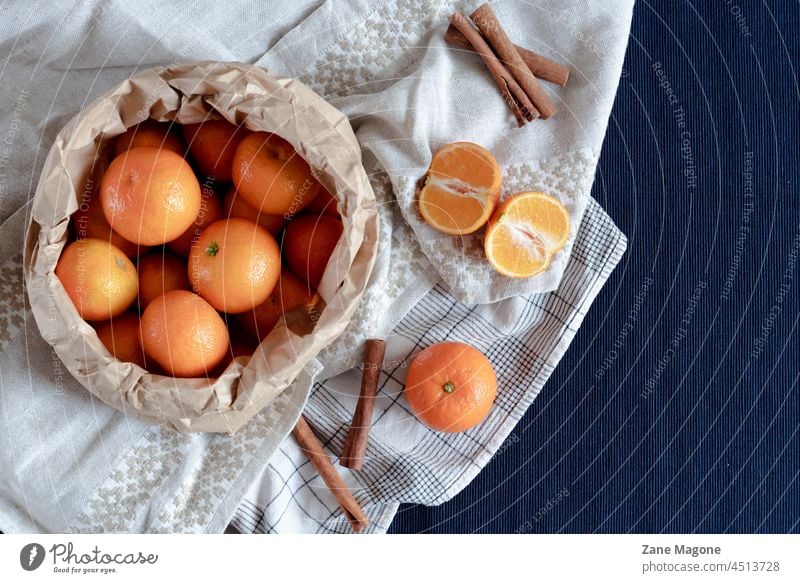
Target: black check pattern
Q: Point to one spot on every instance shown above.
(524, 338)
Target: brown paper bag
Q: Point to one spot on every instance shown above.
(192, 93)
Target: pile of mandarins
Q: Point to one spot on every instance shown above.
(176, 257)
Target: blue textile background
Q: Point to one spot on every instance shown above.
(676, 408)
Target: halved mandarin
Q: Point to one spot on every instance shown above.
(461, 189)
(524, 233)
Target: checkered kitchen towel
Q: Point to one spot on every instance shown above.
(524, 338)
(69, 463)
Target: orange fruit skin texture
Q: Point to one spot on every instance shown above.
(308, 243)
(462, 369)
(291, 292)
(184, 334)
(235, 207)
(323, 204)
(120, 336)
(234, 265)
(159, 273)
(99, 278)
(150, 196)
(213, 144)
(525, 232)
(210, 212)
(461, 189)
(271, 176)
(89, 222)
(149, 133)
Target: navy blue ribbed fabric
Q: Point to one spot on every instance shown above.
(676, 408)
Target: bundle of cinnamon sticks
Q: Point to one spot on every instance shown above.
(514, 69)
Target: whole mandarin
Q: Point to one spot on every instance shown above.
(120, 336)
(290, 292)
(184, 334)
(99, 278)
(235, 265)
(212, 144)
(241, 344)
(450, 386)
(160, 272)
(271, 176)
(308, 243)
(235, 207)
(150, 133)
(150, 196)
(323, 204)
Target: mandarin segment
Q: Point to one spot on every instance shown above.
(99, 278)
(184, 334)
(450, 386)
(524, 233)
(150, 196)
(234, 265)
(461, 188)
(271, 176)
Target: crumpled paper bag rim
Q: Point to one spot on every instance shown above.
(190, 93)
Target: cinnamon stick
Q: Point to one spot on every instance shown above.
(355, 446)
(542, 67)
(516, 99)
(313, 449)
(486, 21)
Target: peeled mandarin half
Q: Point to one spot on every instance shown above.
(524, 233)
(461, 189)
